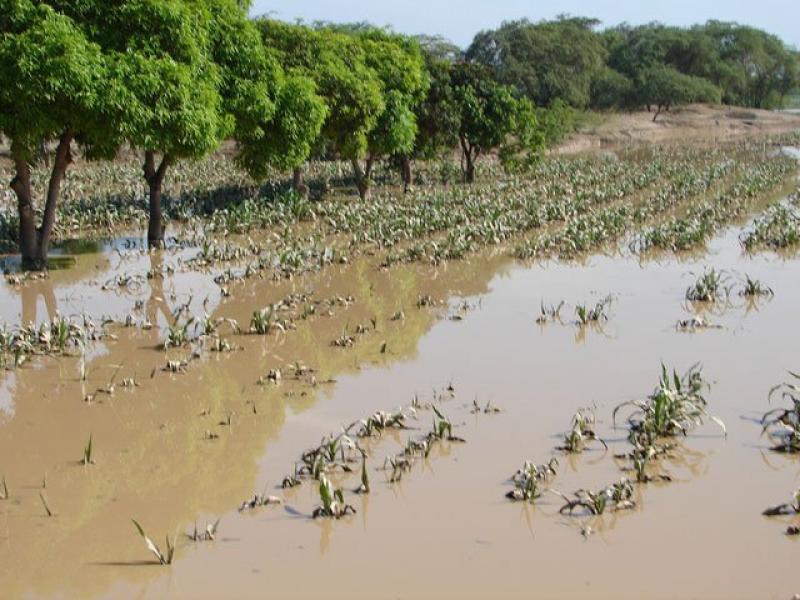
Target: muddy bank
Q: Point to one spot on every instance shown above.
(695, 123)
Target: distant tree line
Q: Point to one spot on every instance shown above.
(654, 66)
(173, 79)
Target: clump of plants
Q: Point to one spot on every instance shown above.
(592, 315)
(617, 496)
(332, 504)
(529, 479)
(711, 286)
(782, 425)
(582, 433)
(675, 407)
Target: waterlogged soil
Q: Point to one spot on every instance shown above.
(189, 448)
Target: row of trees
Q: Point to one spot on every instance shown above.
(173, 79)
(572, 60)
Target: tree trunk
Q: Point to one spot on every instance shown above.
(469, 161)
(298, 182)
(406, 173)
(34, 243)
(362, 176)
(155, 177)
(21, 184)
(658, 112)
(62, 161)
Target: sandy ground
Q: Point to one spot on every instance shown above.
(697, 122)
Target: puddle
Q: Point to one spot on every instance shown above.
(446, 529)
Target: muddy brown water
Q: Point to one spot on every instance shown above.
(446, 529)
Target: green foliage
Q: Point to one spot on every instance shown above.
(544, 61)
(53, 78)
(665, 87)
(611, 89)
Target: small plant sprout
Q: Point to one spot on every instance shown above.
(442, 427)
(489, 409)
(582, 433)
(695, 323)
(332, 504)
(527, 481)
(711, 286)
(87, 453)
(164, 558)
(47, 509)
(364, 487)
(207, 535)
(549, 313)
(3, 488)
(260, 500)
(618, 496)
(592, 316)
(753, 288)
(178, 335)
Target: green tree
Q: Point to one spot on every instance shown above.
(544, 61)
(491, 118)
(350, 90)
(171, 87)
(665, 87)
(55, 84)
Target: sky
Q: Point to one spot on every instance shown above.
(460, 20)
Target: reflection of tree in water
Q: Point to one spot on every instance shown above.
(157, 302)
(30, 292)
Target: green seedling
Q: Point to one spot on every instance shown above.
(207, 535)
(332, 504)
(582, 433)
(527, 481)
(675, 407)
(87, 453)
(164, 558)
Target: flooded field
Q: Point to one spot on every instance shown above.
(179, 439)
